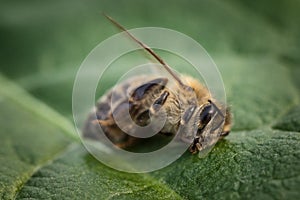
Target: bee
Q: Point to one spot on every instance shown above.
(187, 104)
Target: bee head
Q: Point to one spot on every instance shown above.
(210, 125)
(205, 116)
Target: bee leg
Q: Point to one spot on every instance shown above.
(198, 145)
(118, 137)
(195, 147)
(225, 133)
(107, 122)
(128, 142)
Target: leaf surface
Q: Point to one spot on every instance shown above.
(255, 44)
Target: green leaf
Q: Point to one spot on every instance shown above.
(256, 45)
(77, 175)
(28, 139)
(39, 159)
(290, 121)
(258, 164)
(48, 163)
(259, 90)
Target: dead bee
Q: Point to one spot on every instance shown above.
(187, 103)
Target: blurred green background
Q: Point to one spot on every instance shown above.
(255, 44)
(44, 42)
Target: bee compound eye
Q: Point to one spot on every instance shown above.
(206, 114)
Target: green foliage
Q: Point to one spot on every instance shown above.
(256, 47)
(41, 158)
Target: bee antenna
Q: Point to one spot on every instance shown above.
(148, 49)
